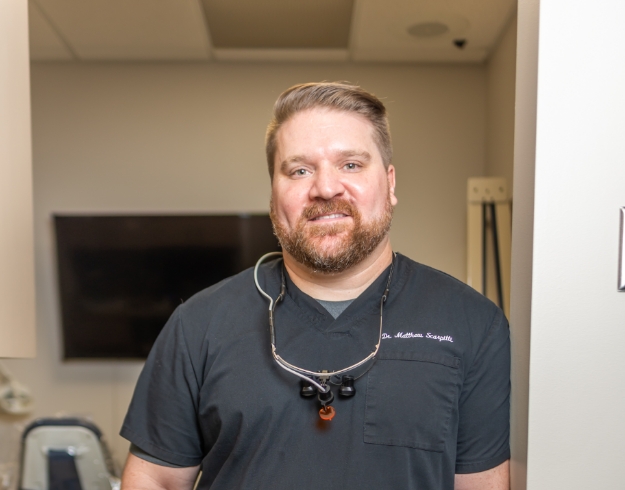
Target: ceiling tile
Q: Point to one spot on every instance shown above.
(267, 30)
(279, 23)
(296, 55)
(423, 55)
(45, 44)
(381, 28)
(130, 29)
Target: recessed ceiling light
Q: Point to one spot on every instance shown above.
(428, 29)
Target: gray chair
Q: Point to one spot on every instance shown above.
(65, 454)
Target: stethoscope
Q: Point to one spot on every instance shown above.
(314, 382)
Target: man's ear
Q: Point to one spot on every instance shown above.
(390, 175)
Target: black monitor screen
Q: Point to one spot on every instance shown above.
(121, 277)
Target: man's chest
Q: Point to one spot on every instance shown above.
(407, 396)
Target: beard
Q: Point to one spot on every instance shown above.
(319, 246)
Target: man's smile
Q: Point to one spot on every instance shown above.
(326, 217)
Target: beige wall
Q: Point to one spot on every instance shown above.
(500, 92)
(500, 83)
(189, 138)
(17, 275)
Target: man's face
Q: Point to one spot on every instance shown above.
(332, 198)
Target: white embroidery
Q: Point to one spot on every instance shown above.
(409, 335)
(440, 338)
(412, 335)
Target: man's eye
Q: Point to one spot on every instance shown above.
(351, 166)
(300, 171)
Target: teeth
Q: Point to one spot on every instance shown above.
(330, 216)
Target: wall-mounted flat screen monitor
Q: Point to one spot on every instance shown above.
(121, 277)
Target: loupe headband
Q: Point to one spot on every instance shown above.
(305, 374)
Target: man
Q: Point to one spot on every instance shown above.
(430, 409)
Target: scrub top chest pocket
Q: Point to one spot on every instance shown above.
(410, 400)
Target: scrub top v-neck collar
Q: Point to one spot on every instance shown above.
(362, 308)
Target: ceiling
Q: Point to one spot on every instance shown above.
(267, 30)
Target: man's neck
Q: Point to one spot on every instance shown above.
(343, 285)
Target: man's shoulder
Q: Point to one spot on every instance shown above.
(228, 308)
(428, 274)
(238, 284)
(440, 288)
(234, 292)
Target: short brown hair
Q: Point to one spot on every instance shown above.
(340, 96)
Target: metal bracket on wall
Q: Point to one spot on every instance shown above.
(621, 253)
(488, 202)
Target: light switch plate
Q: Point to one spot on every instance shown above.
(621, 253)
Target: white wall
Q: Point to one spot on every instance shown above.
(577, 386)
(189, 138)
(510, 134)
(522, 234)
(510, 76)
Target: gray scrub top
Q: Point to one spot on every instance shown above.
(435, 403)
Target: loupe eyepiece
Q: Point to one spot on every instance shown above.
(347, 388)
(307, 389)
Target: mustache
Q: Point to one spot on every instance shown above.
(329, 207)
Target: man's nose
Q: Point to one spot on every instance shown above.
(326, 185)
